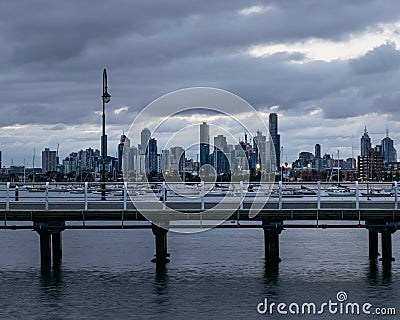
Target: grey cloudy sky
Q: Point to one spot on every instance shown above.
(327, 67)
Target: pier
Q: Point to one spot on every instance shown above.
(50, 208)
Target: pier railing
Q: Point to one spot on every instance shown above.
(280, 195)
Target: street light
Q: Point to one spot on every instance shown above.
(106, 97)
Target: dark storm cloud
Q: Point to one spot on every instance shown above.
(53, 53)
(381, 59)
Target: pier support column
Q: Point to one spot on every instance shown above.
(274, 247)
(387, 246)
(373, 244)
(162, 254)
(50, 238)
(57, 248)
(266, 243)
(45, 248)
(272, 231)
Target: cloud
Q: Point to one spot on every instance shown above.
(381, 59)
(254, 10)
(120, 110)
(333, 56)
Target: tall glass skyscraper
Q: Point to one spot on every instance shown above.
(152, 156)
(365, 144)
(317, 150)
(388, 151)
(124, 141)
(204, 144)
(276, 138)
(145, 136)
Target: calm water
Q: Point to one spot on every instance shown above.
(219, 274)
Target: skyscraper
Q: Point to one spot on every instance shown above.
(260, 145)
(49, 160)
(276, 138)
(152, 156)
(365, 144)
(124, 142)
(165, 161)
(388, 151)
(145, 136)
(221, 163)
(177, 157)
(204, 144)
(317, 150)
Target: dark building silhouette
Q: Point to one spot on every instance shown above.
(204, 144)
(370, 162)
(121, 151)
(276, 138)
(152, 155)
(365, 144)
(317, 150)
(388, 152)
(145, 136)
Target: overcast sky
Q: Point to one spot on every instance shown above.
(327, 67)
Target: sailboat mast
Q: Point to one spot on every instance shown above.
(338, 167)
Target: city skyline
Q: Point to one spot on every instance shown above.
(113, 150)
(327, 79)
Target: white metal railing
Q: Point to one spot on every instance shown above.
(313, 193)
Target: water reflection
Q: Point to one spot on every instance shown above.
(51, 281)
(161, 278)
(373, 272)
(387, 273)
(271, 273)
(379, 273)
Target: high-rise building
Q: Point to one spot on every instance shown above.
(165, 161)
(388, 151)
(49, 160)
(276, 138)
(370, 166)
(145, 136)
(123, 143)
(152, 156)
(0, 161)
(177, 156)
(350, 164)
(260, 145)
(317, 150)
(70, 163)
(129, 158)
(220, 161)
(204, 144)
(305, 160)
(365, 144)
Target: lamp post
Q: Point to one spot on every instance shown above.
(106, 99)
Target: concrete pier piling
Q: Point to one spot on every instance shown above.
(373, 244)
(57, 248)
(45, 248)
(274, 247)
(50, 242)
(272, 231)
(160, 235)
(387, 246)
